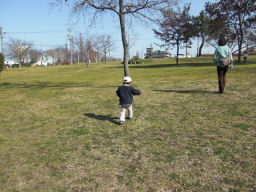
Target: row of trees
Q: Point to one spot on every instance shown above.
(123, 10)
(233, 19)
(92, 49)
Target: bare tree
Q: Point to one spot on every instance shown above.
(131, 41)
(106, 45)
(79, 41)
(86, 49)
(140, 9)
(250, 37)
(18, 50)
(59, 54)
(34, 55)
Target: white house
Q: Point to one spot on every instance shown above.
(150, 54)
(10, 63)
(45, 61)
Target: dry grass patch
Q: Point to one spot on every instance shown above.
(60, 132)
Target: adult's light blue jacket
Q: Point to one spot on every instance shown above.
(221, 53)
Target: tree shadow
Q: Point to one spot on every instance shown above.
(188, 91)
(138, 66)
(181, 64)
(44, 84)
(103, 117)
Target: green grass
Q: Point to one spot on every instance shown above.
(59, 128)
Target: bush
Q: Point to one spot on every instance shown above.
(15, 66)
(138, 61)
(26, 65)
(135, 61)
(1, 62)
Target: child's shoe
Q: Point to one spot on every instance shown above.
(121, 122)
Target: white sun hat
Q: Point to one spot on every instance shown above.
(127, 79)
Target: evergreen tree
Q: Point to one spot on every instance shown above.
(174, 28)
(200, 25)
(232, 19)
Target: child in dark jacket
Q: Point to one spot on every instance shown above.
(125, 94)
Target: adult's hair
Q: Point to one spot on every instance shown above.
(222, 41)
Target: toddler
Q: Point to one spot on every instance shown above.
(125, 94)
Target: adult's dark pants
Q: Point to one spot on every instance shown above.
(222, 77)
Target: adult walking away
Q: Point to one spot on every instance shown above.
(245, 56)
(221, 53)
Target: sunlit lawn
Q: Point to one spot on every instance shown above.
(59, 128)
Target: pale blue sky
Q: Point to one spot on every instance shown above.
(36, 21)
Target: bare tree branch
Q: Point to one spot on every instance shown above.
(146, 9)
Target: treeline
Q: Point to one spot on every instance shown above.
(236, 20)
(79, 50)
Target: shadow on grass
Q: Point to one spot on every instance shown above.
(250, 62)
(188, 91)
(41, 85)
(152, 66)
(172, 65)
(103, 117)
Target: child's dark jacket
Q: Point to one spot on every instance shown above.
(125, 94)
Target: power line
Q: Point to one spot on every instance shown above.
(52, 44)
(36, 32)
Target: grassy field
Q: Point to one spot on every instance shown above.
(59, 128)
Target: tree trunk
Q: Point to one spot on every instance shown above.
(178, 50)
(239, 53)
(240, 39)
(186, 50)
(124, 41)
(201, 46)
(239, 45)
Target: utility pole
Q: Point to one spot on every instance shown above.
(1, 36)
(71, 44)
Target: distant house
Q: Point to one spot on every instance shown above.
(10, 63)
(49, 60)
(150, 54)
(44, 61)
(181, 55)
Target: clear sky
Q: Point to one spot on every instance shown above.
(46, 27)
